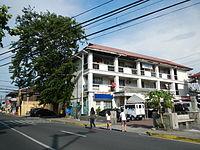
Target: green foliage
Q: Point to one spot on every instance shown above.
(44, 52)
(158, 99)
(98, 110)
(4, 18)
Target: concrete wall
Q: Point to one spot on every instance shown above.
(26, 106)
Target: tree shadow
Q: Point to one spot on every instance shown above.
(56, 137)
(140, 126)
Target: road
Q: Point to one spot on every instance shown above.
(38, 134)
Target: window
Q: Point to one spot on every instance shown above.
(98, 80)
(98, 104)
(121, 82)
(107, 104)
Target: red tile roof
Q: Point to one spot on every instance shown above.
(195, 75)
(131, 54)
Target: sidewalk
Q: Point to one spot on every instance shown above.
(188, 135)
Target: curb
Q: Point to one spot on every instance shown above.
(173, 137)
(77, 123)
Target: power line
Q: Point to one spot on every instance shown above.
(185, 56)
(7, 89)
(1, 91)
(6, 57)
(109, 12)
(7, 86)
(4, 81)
(93, 19)
(6, 52)
(89, 20)
(5, 64)
(92, 9)
(116, 13)
(131, 20)
(145, 21)
(123, 15)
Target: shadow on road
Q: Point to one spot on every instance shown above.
(56, 137)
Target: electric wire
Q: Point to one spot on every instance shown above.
(185, 56)
(145, 21)
(88, 20)
(6, 52)
(92, 9)
(5, 64)
(5, 81)
(110, 12)
(137, 18)
(122, 15)
(115, 13)
(6, 57)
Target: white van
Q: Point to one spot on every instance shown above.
(135, 111)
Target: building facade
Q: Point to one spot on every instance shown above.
(194, 87)
(111, 76)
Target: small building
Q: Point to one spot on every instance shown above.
(23, 100)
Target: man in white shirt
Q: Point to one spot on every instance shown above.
(123, 120)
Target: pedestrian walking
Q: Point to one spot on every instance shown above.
(92, 118)
(108, 118)
(123, 120)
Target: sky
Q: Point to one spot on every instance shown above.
(172, 34)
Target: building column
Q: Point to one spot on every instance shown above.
(138, 66)
(90, 81)
(173, 88)
(158, 85)
(116, 64)
(125, 100)
(116, 80)
(139, 83)
(157, 71)
(172, 73)
(90, 102)
(90, 60)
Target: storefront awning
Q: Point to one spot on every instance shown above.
(103, 97)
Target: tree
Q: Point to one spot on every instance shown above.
(4, 18)
(159, 100)
(44, 52)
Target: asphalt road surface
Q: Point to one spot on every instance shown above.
(18, 133)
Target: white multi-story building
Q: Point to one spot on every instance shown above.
(111, 76)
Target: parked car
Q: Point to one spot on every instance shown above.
(33, 111)
(182, 107)
(41, 112)
(103, 112)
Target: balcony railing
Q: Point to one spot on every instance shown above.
(127, 70)
(103, 67)
(102, 87)
(165, 76)
(148, 73)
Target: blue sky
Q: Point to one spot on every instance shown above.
(173, 37)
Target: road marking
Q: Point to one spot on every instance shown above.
(73, 133)
(30, 138)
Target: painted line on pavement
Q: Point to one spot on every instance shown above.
(30, 138)
(76, 123)
(73, 133)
